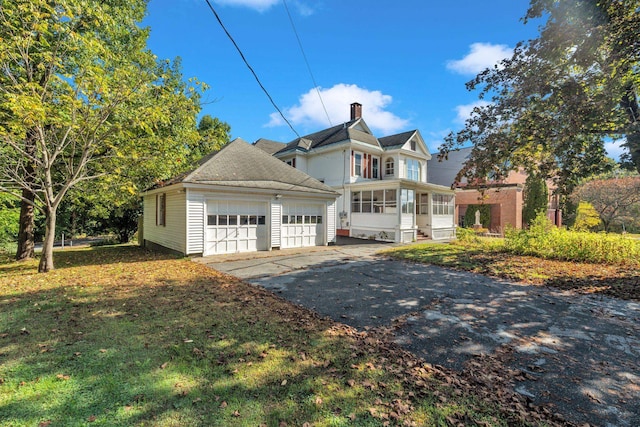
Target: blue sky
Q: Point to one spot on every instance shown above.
(406, 61)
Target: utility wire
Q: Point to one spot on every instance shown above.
(250, 68)
(315, 85)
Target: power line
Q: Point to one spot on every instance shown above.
(250, 68)
(315, 85)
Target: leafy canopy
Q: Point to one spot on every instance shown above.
(560, 96)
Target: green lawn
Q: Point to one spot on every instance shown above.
(118, 336)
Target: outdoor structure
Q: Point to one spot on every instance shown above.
(382, 182)
(239, 199)
(505, 198)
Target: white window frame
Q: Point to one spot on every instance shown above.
(407, 198)
(357, 164)
(389, 167)
(443, 204)
(412, 167)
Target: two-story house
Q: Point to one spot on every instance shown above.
(382, 182)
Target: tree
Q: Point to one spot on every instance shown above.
(587, 219)
(560, 96)
(214, 134)
(82, 98)
(615, 199)
(536, 197)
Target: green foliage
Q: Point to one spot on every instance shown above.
(485, 215)
(85, 100)
(616, 200)
(544, 240)
(587, 219)
(9, 216)
(213, 135)
(536, 197)
(559, 97)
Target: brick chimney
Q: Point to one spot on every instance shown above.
(356, 111)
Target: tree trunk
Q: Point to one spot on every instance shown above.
(46, 259)
(26, 247)
(26, 244)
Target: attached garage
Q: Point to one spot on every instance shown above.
(303, 224)
(239, 199)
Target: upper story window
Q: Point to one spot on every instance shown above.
(375, 173)
(389, 167)
(413, 146)
(357, 164)
(413, 169)
(292, 162)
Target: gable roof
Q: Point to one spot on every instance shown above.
(268, 146)
(352, 130)
(240, 164)
(395, 141)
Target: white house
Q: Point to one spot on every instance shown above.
(382, 182)
(239, 199)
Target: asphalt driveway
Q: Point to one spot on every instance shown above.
(579, 354)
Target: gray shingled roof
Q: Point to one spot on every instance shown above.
(330, 136)
(240, 164)
(269, 146)
(397, 140)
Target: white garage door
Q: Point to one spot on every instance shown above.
(302, 225)
(235, 227)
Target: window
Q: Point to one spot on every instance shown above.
(357, 164)
(413, 169)
(366, 202)
(413, 146)
(233, 219)
(374, 168)
(390, 201)
(285, 219)
(292, 162)
(423, 204)
(212, 219)
(161, 209)
(406, 197)
(261, 220)
(378, 201)
(443, 204)
(388, 167)
(355, 201)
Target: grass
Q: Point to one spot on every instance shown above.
(488, 256)
(118, 336)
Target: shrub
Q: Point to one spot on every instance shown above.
(547, 241)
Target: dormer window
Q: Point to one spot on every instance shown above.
(413, 146)
(388, 167)
(292, 162)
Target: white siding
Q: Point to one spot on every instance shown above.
(195, 222)
(173, 234)
(332, 167)
(406, 221)
(276, 221)
(331, 222)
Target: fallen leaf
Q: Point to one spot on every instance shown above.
(92, 418)
(223, 404)
(44, 423)
(62, 377)
(283, 383)
(164, 365)
(236, 413)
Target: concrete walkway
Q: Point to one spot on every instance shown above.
(579, 354)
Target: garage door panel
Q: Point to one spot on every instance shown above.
(301, 225)
(236, 226)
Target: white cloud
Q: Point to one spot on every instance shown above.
(263, 5)
(309, 113)
(480, 57)
(615, 149)
(259, 5)
(465, 111)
